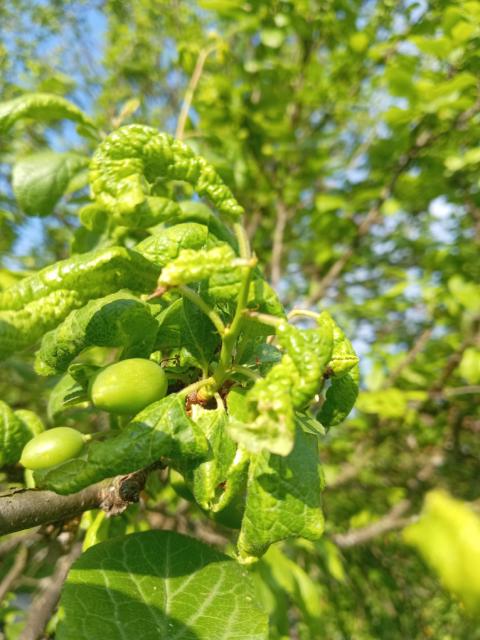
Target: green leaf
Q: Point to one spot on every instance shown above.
(41, 179)
(162, 430)
(44, 107)
(16, 429)
(198, 335)
(469, 367)
(447, 536)
(66, 393)
(387, 403)
(117, 320)
(283, 498)
(173, 586)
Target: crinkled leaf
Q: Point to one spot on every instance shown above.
(159, 584)
(117, 320)
(43, 107)
(93, 217)
(164, 246)
(224, 287)
(194, 265)
(283, 498)
(162, 430)
(344, 357)
(307, 352)
(134, 156)
(198, 212)
(41, 179)
(40, 302)
(268, 415)
(207, 479)
(340, 398)
(344, 372)
(269, 420)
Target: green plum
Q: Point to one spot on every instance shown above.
(128, 386)
(52, 447)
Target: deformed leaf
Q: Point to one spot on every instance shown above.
(268, 417)
(283, 498)
(41, 179)
(344, 372)
(194, 265)
(207, 479)
(340, 398)
(176, 587)
(163, 247)
(343, 357)
(117, 320)
(40, 302)
(134, 156)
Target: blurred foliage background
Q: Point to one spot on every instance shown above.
(350, 131)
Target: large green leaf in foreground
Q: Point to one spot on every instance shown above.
(159, 584)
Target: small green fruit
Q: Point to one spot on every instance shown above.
(128, 386)
(51, 448)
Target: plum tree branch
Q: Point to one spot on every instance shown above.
(26, 508)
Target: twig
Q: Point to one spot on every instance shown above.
(370, 219)
(350, 470)
(452, 363)
(392, 520)
(283, 215)
(15, 572)
(43, 605)
(410, 357)
(192, 85)
(26, 508)
(422, 140)
(13, 542)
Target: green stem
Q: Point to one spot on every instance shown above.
(201, 304)
(264, 318)
(243, 242)
(195, 386)
(237, 368)
(232, 332)
(303, 313)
